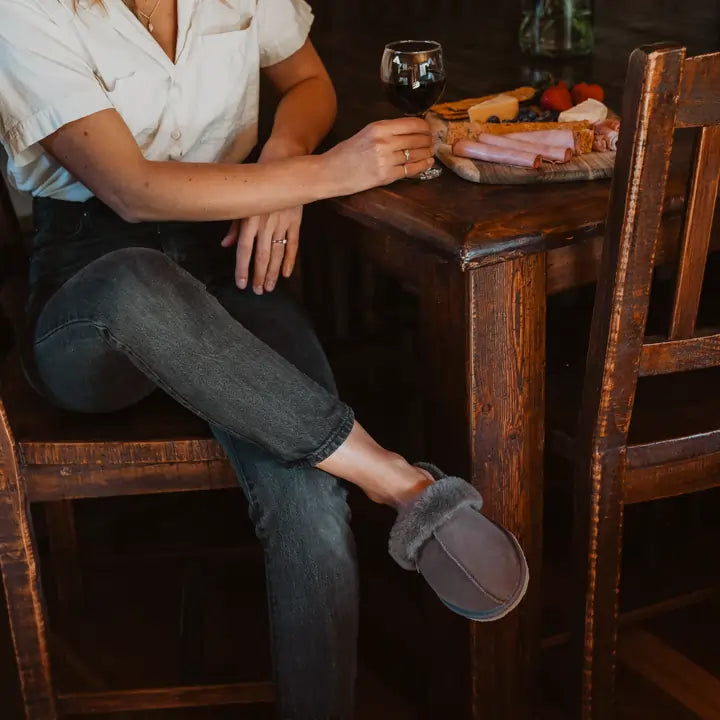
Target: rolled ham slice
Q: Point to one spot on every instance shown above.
(494, 154)
(606, 135)
(556, 138)
(549, 152)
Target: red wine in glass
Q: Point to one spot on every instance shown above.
(415, 100)
(413, 77)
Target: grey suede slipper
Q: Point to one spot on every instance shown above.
(476, 567)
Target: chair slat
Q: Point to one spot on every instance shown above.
(696, 236)
(114, 453)
(49, 483)
(660, 357)
(673, 450)
(653, 482)
(699, 102)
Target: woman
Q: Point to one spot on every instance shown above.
(128, 122)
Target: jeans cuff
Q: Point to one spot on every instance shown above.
(336, 438)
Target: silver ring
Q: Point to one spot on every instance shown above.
(280, 242)
(407, 155)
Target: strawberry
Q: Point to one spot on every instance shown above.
(582, 91)
(556, 98)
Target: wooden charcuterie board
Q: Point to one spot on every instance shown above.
(590, 166)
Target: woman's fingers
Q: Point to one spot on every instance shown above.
(232, 234)
(260, 241)
(277, 252)
(414, 168)
(409, 142)
(291, 249)
(404, 126)
(245, 243)
(283, 254)
(413, 156)
(263, 248)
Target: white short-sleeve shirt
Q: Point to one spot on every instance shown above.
(57, 66)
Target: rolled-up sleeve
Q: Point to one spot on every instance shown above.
(283, 28)
(45, 79)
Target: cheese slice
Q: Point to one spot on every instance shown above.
(504, 107)
(591, 110)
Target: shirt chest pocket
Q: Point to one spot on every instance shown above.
(227, 75)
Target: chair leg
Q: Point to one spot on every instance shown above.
(598, 537)
(64, 556)
(18, 559)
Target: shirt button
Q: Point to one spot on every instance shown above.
(175, 134)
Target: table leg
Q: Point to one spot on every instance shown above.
(484, 335)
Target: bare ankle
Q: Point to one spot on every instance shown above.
(384, 476)
(398, 483)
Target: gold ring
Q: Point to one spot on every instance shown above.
(407, 155)
(405, 170)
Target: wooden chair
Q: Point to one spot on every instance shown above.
(617, 464)
(49, 455)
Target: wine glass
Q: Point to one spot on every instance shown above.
(413, 76)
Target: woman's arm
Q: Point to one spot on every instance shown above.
(304, 115)
(102, 153)
(307, 107)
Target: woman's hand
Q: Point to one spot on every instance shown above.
(265, 233)
(274, 237)
(374, 156)
(377, 154)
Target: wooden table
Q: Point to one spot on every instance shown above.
(483, 260)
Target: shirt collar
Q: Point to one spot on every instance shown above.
(124, 22)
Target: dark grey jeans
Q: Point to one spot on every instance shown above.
(119, 309)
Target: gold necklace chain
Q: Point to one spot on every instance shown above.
(147, 17)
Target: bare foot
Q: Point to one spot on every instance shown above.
(384, 476)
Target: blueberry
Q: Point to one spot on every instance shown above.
(527, 115)
(493, 119)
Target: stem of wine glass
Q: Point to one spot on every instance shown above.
(435, 171)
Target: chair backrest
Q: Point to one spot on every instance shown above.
(664, 91)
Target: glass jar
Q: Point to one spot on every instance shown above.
(556, 28)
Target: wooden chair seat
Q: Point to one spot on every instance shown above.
(72, 455)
